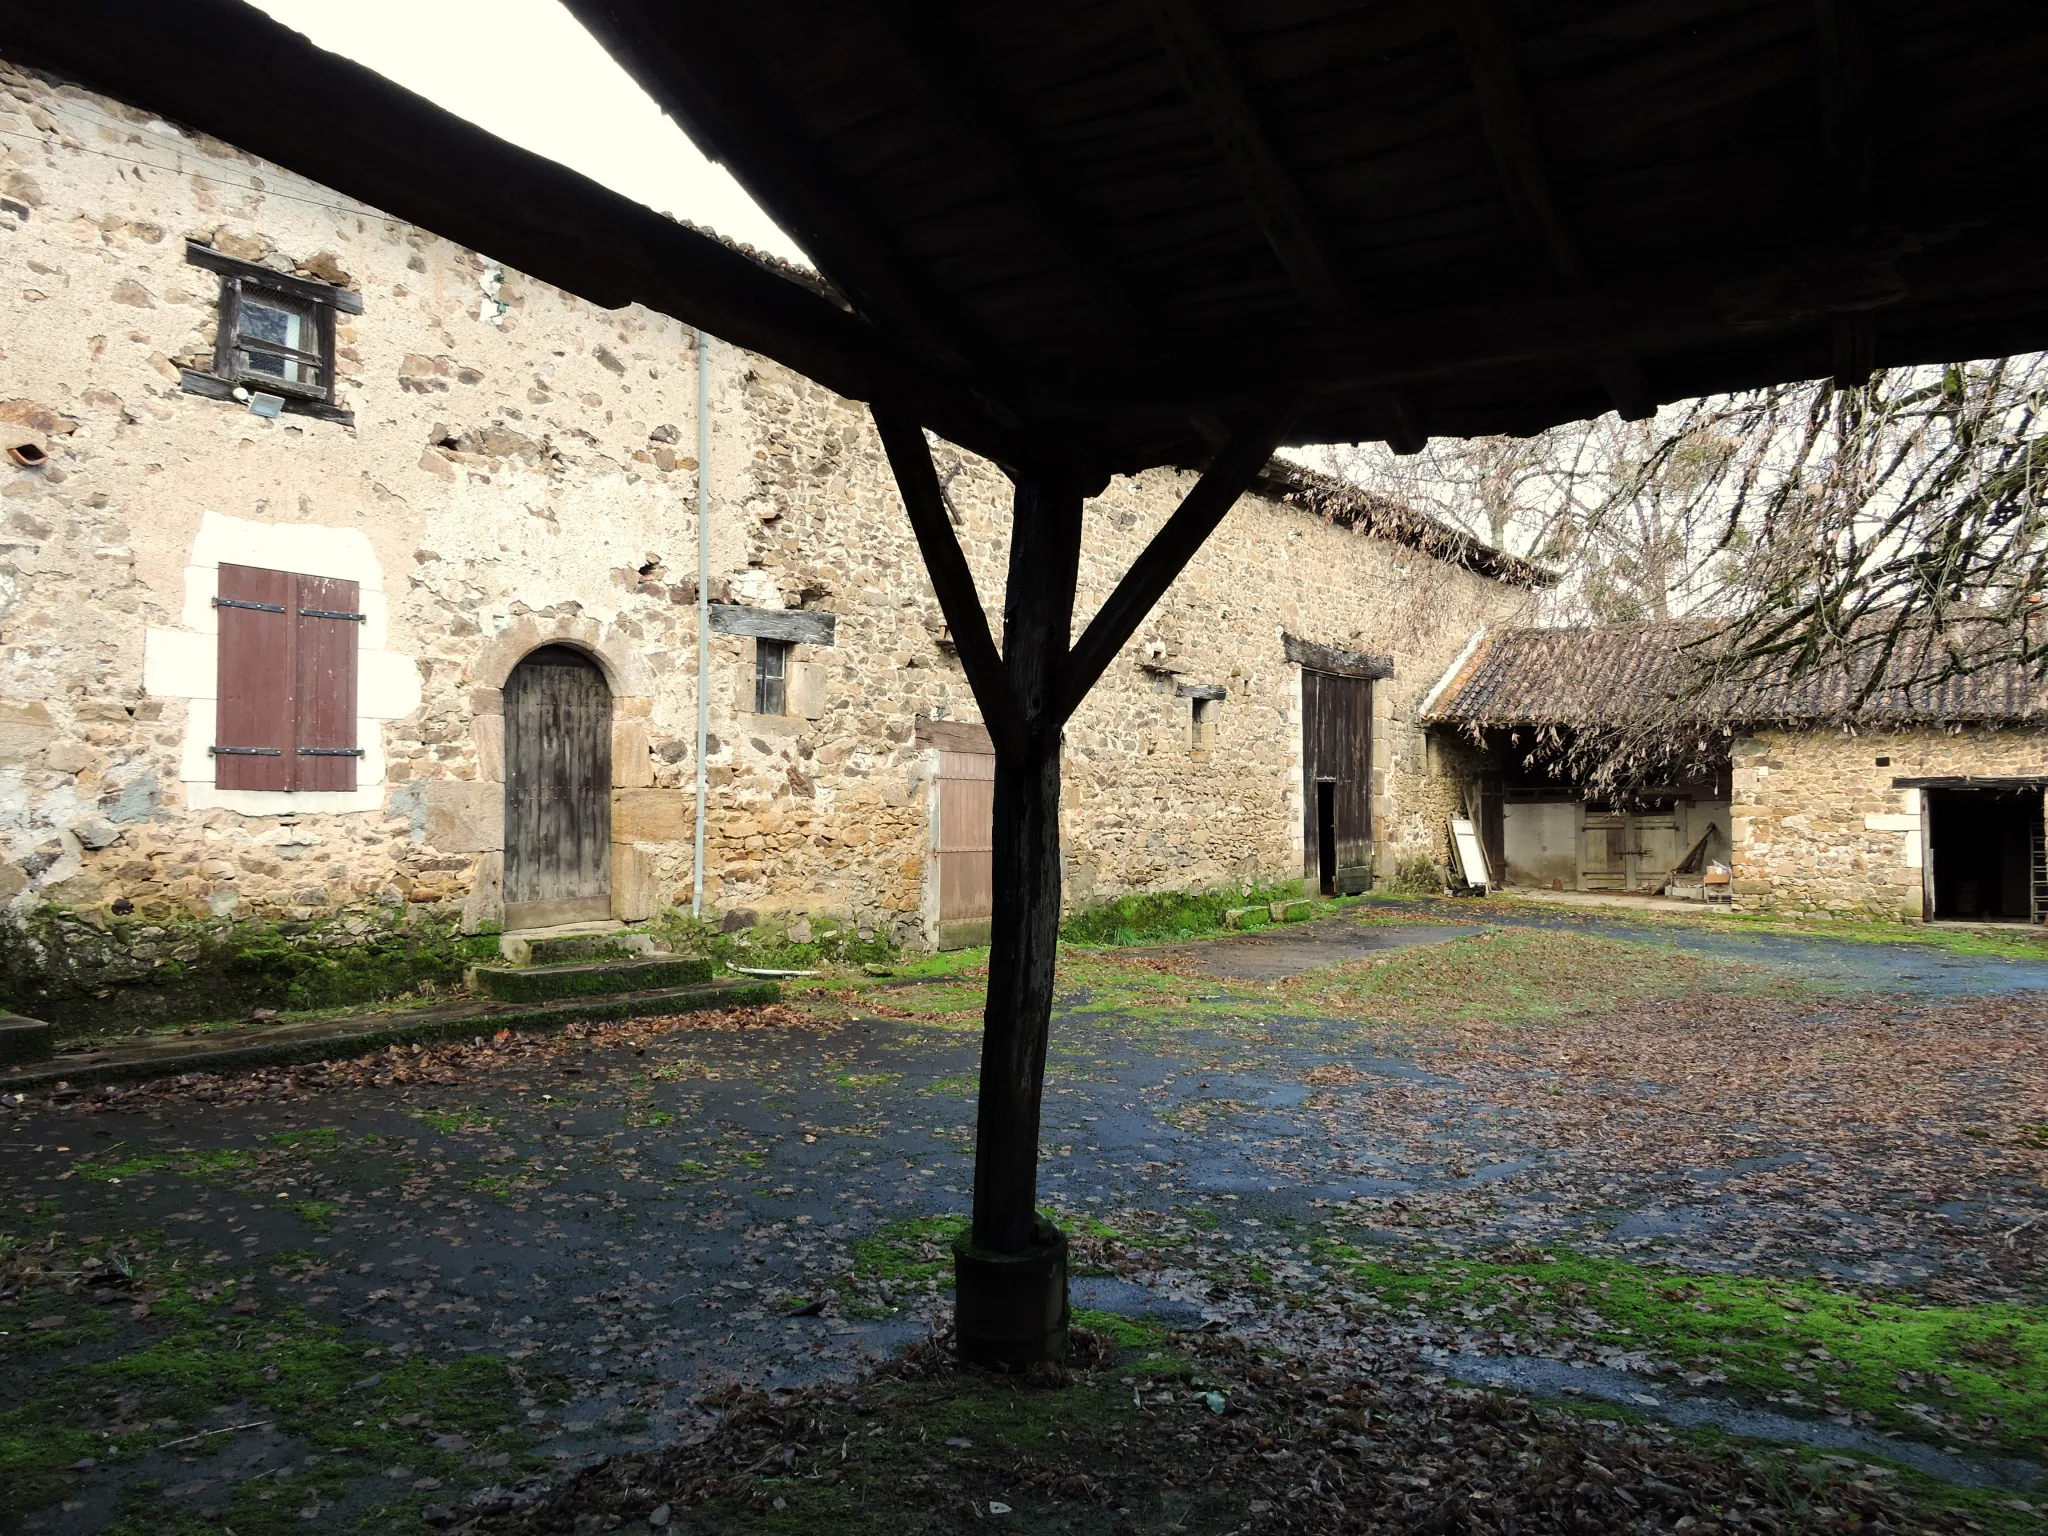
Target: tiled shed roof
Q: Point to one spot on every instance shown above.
(1614, 674)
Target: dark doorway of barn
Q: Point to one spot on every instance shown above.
(1326, 836)
(1984, 854)
(1336, 766)
(558, 790)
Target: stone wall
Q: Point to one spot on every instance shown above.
(1817, 826)
(520, 470)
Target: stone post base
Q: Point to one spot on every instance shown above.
(32, 1040)
(1012, 1307)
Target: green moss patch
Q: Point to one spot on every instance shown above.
(93, 974)
(1926, 1371)
(215, 1367)
(1166, 917)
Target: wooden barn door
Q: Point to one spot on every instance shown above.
(1336, 768)
(966, 847)
(558, 790)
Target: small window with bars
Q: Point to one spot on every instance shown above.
(275, 335)
(771, 677)
(285, 712)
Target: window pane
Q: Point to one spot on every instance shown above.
(267, 317)
(771, 671)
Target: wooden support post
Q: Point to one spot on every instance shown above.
(1010, 1268)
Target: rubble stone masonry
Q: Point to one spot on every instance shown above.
(1819, 828)
(519, 470)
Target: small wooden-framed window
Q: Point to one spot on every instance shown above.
(285, 716)
(771, 677)
(275, 340)
(275, 335)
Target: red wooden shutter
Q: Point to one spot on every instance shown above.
(252, 734)
(327, 627)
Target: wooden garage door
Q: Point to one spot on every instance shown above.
(966, 847)
(558, 790)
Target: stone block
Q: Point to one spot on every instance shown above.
(464, 816)
(485, 902)
(25, 729)
(490, 748)
(652, 815)
(633, 892)
(632, 760)
(25, 1039)
(1292, 911)
(1247, 917)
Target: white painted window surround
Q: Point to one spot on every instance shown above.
(183, 663)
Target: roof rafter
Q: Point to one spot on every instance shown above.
(1845, 138)
(1202, 60)
(1511, 134)
(945, 60)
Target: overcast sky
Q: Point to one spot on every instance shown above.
(527, 71)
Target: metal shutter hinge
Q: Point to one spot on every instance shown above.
(246, 751)
(330, 751)
(322, 613)
(236, 602)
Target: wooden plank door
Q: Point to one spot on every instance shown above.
(1336, 770)
(558, 790)
(1653, 848)
(1603, 851)
(966, 847)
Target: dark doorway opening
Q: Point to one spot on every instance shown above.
(1336, 771)
(1983, 846)
(1326, 835)
(558, 790)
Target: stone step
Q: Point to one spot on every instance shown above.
(25, 1039)
(268, 1045)
(577, 948)
(598, 978)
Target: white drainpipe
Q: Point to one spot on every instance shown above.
(703, 606)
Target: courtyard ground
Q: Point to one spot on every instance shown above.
(1430, 1215)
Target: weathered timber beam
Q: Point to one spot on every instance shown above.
(1202, 60)
(1518, 157)
(1791, 297)
(1845, 141)
(946, 61)
(1511, 133)
(1228, 476)
(1845, 111)
(918, 481)
(735, 116)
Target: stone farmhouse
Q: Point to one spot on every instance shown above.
(345, 572)
(1927, 804)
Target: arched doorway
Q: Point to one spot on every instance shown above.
(558, 790)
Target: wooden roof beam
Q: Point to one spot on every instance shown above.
(946, 62)
(1845, 138)
(1201, 58)
(748, 129)
(1517, 156)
